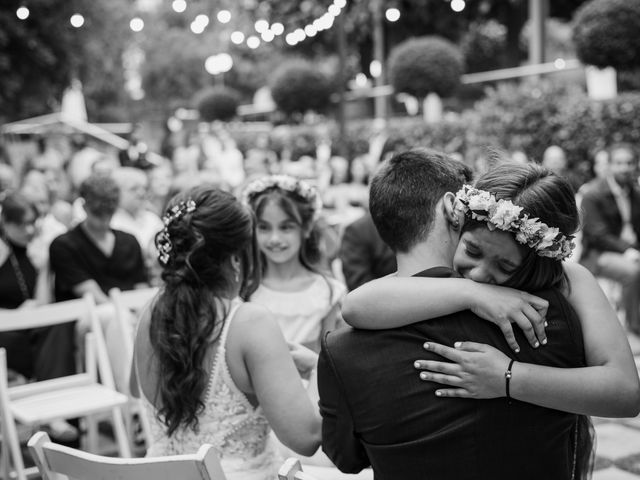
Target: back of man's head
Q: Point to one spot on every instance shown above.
(404, 193)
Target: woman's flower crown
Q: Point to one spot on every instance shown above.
(163, 240)
(503, 215)
(287, 183)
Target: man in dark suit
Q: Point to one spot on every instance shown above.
(611, 228)
(363, 254)
(375, 409)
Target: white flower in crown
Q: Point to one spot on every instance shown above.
(548, 237)
(530, 228)
(480, 200)
(504, 214)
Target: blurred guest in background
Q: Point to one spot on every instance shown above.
(611, 228)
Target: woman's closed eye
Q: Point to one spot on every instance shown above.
(507, 268)
(472, 251)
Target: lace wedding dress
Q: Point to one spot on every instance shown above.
(229, 422)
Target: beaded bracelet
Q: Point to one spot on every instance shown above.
(507, 379)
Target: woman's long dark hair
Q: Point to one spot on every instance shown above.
(184, 319)
(550, 198)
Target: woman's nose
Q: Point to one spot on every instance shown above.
(481, 275)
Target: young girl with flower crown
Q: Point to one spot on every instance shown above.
(305, 300)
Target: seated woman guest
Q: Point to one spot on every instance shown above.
(40, 353)
(211, 368)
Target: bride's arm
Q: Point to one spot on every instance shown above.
(393, 301)
(291, 413)
(607, 387)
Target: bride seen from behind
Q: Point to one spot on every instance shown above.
(211, 368)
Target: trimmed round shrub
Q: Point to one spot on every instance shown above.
(297, 87)
(217, 103)
(423, 65)
(606, 33)
(483, 46)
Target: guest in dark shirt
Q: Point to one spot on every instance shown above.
(94, 258)
(39, 353)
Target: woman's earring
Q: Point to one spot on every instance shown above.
(456, 224)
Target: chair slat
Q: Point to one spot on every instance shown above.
(45, 386)
(78, 401)
(54, 458)
(44, 316)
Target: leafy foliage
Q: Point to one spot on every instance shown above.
(40, 55)
(217, 103)
(426, 64)
(298, 87)
(606, 33)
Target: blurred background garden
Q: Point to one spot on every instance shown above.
(329, 78)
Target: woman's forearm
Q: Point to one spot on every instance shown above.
(396, 301)
(586, 391)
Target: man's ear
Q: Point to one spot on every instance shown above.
(236, 263)
(453, 215)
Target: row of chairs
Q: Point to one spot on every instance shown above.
(83, 395)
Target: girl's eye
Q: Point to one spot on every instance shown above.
(288, 227)
(262, 227)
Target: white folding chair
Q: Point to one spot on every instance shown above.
(55, 460)
(291, 469)
(73, 396)
(126, 303)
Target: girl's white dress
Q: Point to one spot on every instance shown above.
(229, 422)
(300, 313)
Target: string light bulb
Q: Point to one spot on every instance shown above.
(22, 13)
(76, 20)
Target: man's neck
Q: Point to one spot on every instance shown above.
(428, 254)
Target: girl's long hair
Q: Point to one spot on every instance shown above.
(185, 319)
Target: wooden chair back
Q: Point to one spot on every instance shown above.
(54, 460)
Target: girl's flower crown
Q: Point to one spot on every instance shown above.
(163, 240)
(503, 215)
(287, 183)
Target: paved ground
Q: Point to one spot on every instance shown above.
(618, 447)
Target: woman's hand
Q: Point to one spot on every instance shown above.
(477, 370)
(504, 306)
(304, 358)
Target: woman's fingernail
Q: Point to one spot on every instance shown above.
(457, 344)
(517, 350)
(544, 341)
(426, 345)
(438, 393)
(536, 345)
(424, 375)
(416, 364)
(546, 324)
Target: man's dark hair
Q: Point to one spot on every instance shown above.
(405, 191)
(101, 194)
